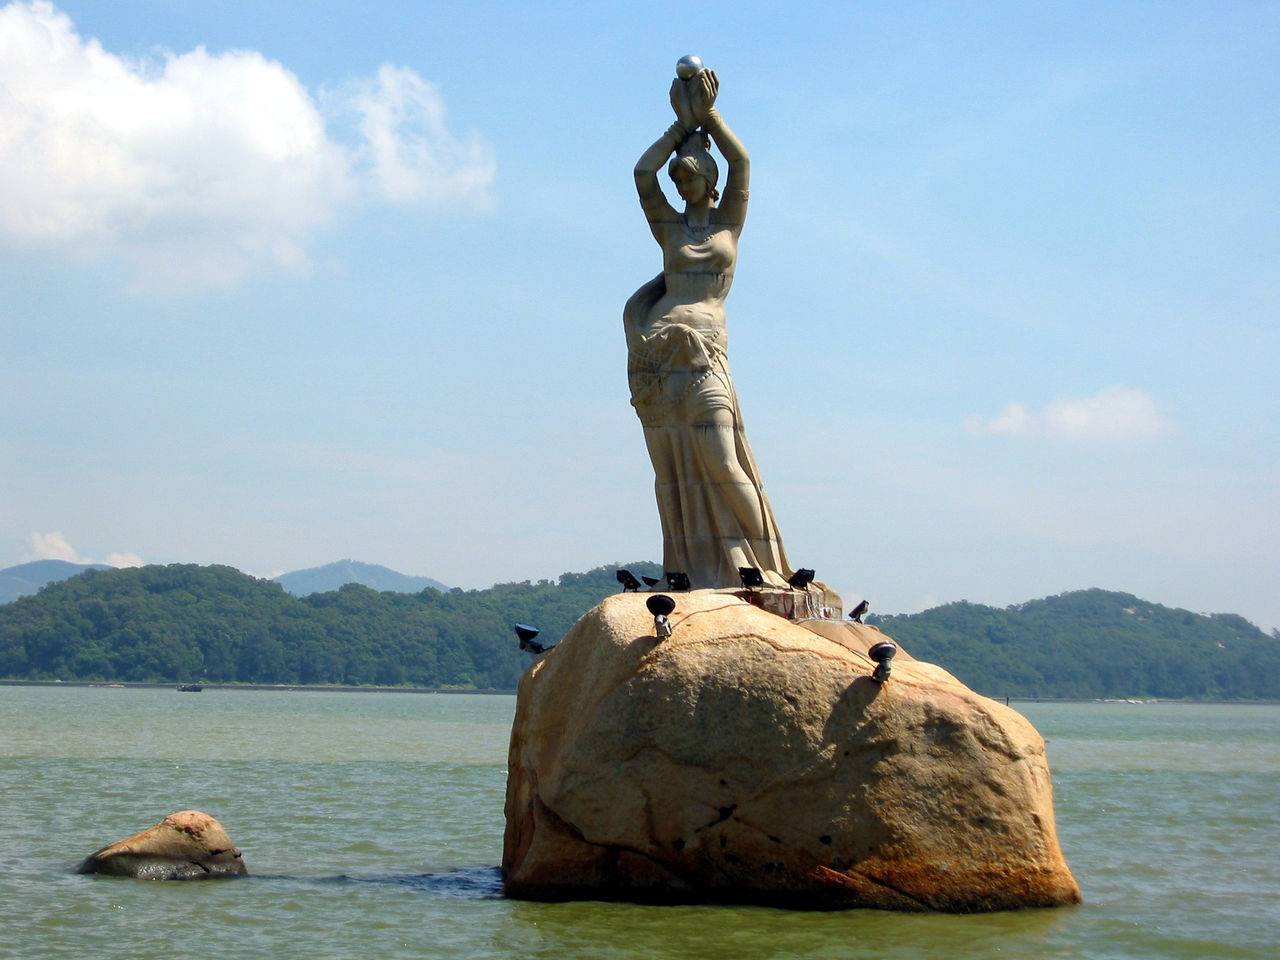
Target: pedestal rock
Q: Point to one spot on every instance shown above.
(748, 758)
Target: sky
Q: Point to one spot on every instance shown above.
(282, 284)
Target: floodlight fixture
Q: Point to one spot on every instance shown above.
(801, 579)
(650, 581)
(526, 633)
(678, 581)
(882, 653)
(660, 605)
(628, 581)
(856, 613)
(751, 576)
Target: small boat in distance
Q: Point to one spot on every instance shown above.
(189, 688)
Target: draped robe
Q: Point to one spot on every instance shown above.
(678, 371)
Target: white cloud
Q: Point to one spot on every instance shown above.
(409, 151)
(54, 546)
(200, 168)
(1116, 413)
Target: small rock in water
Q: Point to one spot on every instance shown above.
(187, 845)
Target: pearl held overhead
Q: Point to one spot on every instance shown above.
(688, 66)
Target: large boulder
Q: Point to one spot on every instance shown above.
(186, 845)
(750, 758)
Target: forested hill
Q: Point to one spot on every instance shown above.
(185, 623)
(1094, 644)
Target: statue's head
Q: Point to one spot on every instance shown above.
(693, 169)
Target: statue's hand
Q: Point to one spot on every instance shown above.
(702, 94)
(681, 104)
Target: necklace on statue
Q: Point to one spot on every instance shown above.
(699, 231)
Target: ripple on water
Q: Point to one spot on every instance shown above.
(370, 824)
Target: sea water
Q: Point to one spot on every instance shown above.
(372, 826)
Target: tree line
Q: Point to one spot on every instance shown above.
(1094, 644)
(186, 623)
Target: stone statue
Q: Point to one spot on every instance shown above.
(750, 748)
(715, 517)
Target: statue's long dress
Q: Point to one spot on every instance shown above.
(677, 375)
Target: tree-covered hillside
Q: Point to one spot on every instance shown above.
(1094, 644)
(185, 623)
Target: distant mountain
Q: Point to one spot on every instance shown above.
(26, 578)
(334, 576)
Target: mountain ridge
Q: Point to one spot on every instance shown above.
(183, 622)
(25, 579)
(1093, 644)
(333, 576)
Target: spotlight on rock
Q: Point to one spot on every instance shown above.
(856, 613)
(660, 605)
(526, 634)
(882, 653)
(677, 581)
(801, 579)
(751, 576)
(628, 581)
(650, 581)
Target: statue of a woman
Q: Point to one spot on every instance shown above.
(715, 517)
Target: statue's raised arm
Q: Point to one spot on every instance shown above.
(702, 90)
(715, 517)
(693, 98)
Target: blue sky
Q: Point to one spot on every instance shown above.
(286, 283)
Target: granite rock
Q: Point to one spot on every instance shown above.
(749, 758)
(186, 845)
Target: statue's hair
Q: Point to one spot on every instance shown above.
(694, 156)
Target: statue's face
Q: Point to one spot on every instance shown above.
(690, 185)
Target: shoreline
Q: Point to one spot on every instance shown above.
(291, 687)
(339, 688)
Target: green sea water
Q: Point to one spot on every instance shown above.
(372, 824)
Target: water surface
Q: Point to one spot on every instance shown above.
(372, 825)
